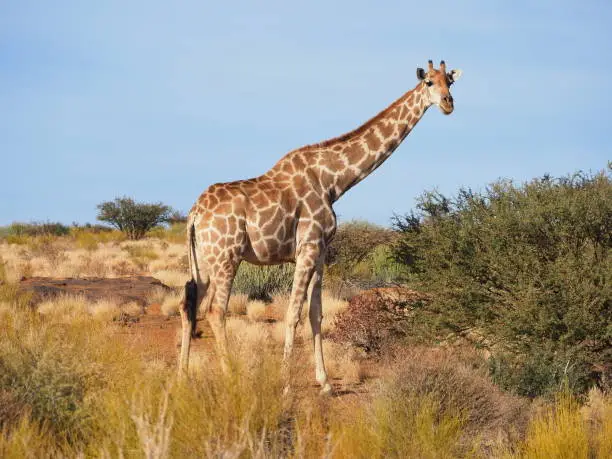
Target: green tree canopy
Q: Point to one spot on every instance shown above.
(134, 218)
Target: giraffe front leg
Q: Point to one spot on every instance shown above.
(316, 317)
(304, 268)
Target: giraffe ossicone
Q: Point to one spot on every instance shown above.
(286, 215)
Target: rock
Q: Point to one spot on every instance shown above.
(121, 289)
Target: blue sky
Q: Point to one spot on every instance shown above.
(157, 100)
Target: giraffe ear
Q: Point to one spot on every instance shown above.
(420, 73)
(455, 74)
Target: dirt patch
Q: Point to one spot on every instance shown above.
(121, 289)
(155, 335)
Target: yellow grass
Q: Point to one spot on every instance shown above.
(72, 383)
(257, 310)
(171, 303)
(238, 304)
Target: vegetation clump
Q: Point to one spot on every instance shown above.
(523, 270)
(134, 218)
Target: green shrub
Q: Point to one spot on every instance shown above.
(176, 232)
(263, 282)
(55, 374)
(36, 229)
(525, 269)
(353, 243)
(134, 218)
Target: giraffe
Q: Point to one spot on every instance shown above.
(286, 215)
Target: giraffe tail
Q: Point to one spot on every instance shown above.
(190, 302)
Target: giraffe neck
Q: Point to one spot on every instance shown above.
(347, 160)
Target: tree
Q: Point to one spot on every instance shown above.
(525, 270)
(134, 218)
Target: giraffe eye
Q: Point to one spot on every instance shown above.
(428, 82)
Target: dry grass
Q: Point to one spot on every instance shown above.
(94, 255)
(171, 303)
(559, 433)
(171, 278)
(238, 304)
(257, 311)
(71, 385)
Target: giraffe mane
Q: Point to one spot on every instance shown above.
(361, 129)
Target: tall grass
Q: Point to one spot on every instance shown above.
(73, 386)
(263, 282)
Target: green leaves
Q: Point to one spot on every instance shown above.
(526, 265)
(133, 218)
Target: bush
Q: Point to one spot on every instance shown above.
(133, 218)
(356, 254)
(176, 233)
(55, 374)
(263, 282)
(36, 229)
(377, 319)
(526, 269)
(453, 377)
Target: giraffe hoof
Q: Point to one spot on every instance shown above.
(327, 390)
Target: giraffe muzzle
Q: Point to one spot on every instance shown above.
(446, 105)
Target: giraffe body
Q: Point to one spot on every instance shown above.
(286, 215)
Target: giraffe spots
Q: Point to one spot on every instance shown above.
(288, 202)
(392, 144)
(298, 163)
(345, 179)
(211, 200)
(299, 183)
(354, 152)
(222, 193)
(386, 130)
(266, 215)
(281, 232)
(312, 202)
(223, 208)
(282, 177)
(287, 167)
(326, 178)
(220, 224)
(333, 160)
(231, 224)
(261, 200)
(372, 141)
(261, 250)
(272, 245)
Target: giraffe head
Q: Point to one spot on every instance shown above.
(438, 83)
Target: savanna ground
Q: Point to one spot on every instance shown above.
(98, 378)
